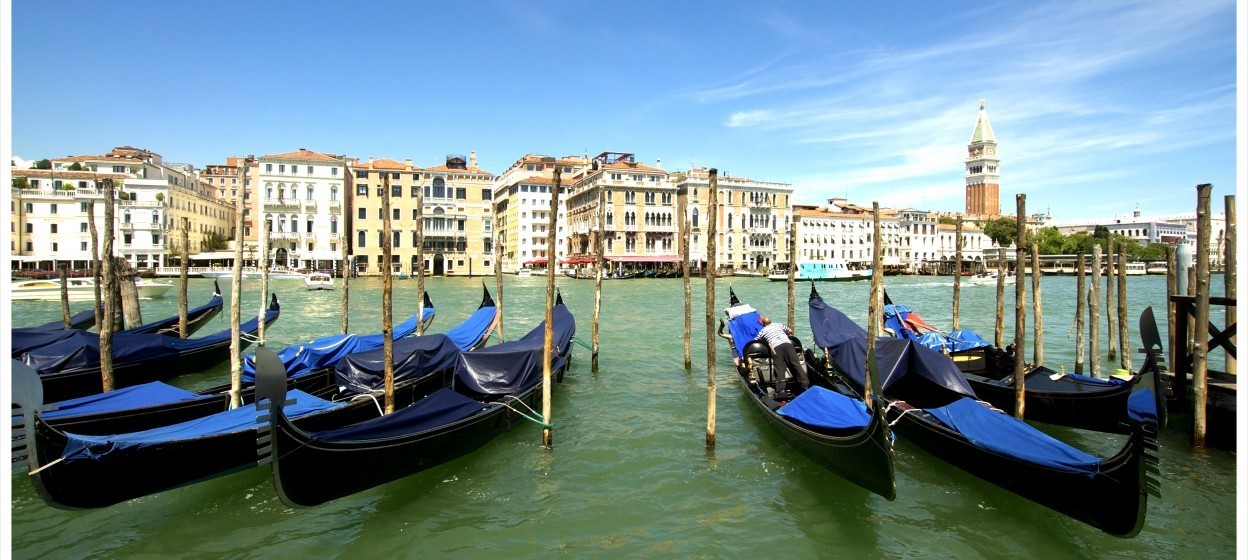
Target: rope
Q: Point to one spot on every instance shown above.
(582, 343)
(987, 404)
(40, 469)
(903, 413)
(532, 419)
(374, 399)
(495, 335)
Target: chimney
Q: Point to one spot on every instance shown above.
(408, 162)
(370, 161)
(1137, 211)
(472, 160)
(658, 162)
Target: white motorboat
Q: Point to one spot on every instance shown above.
(79, 289)
(988, 279)
(319, 281)
(831, 270)
(1155, 268)
(524, 272)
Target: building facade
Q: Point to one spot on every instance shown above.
(455, 209)
(301, 198)
(752, 219)
(641, 216)
(522, 210)
(842, 231)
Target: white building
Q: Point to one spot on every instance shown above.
(846, 232)
(302, 196)
(522, 210)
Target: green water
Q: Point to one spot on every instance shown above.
(629, 475)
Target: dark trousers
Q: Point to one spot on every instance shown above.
(784, 357)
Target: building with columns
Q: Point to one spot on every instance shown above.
(752, 220)
(641, 217)
(983, 178)
(301, 197)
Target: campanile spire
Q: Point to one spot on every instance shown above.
(982, 160)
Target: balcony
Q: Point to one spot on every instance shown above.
(761, 231)
(309, 203)
(335, 204)
(281, 203)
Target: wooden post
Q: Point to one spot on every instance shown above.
(183, 279)
(1111, 311)
(1172, 289)
(1124, 338)
(95, 263)
(712, 210)
(875, 307)
(1020, 310)
(1081, 310)
(792, 269)
(63, 269)
(684, 258)
(998, 338)
(498, 273)
(129, 293)
(347, 270)
(957, 272)
(548, 346)
(1200, 348)
(105, 323)
(601, 260)
(1094, 312)
(387, 288)
(236, 297)
(263, 263)
(420, 267)
(1037, 323)
(1229, 276)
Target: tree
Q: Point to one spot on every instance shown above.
(1001, 231)
(76, 167)
(1049, 240)
(948, 220)
(44, 163)
(213, 241)
(20, 183)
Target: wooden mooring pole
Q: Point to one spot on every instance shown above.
(1124, 337)
(236, 296)
(600, 261)
(95, 263)
(1094, 312)
(498, 276)
(1037, 322)
(998, 339)
(1111, 311)
(875, 306)
(1081, 309)
(387, 289)
(1200, 350)
(548, 346)
(347, 269)
(106, 323)
(63, 270)
(1229, 275)
(420, 267)
(684, 257)
(710, 273)
(1172, 289)
(957, 272)
(184, 275)
(263, 263)
(792, 270)
(1020, 309)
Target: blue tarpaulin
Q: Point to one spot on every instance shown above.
(328, 350)
(743, 327)
(440, 408)
(27, 339)
(821, 408)
(241, 418)
(514, 365)
(82, 349)
(138, 396)
(897, 319)
(1012, 437)
(414, 357)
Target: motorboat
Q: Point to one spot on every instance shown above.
(1153, 268)
(319, 281)
(832, 270)
(988, 279)
(78, 289)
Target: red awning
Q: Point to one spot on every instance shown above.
(580, 260)
(535, 261)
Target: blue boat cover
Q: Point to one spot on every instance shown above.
(821, 408)
(1095, 381)
(326, 351)
(137, 396)
(1142, 405)
(82, 349)
(83, 318)
(512, 366)
(744, 328)
(27, 339)
(414, 357)
(1012, 437)
(468, 334)
(82, 447)
(440, 408)
(895, 317)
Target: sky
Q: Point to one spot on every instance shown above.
(1098, 107)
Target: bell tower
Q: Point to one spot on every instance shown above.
(982, 178)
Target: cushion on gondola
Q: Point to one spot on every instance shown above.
(743, 327)
(1012, 437)
(301, 359)
(241, 418)
(821, 408)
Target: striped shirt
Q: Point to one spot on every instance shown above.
(775, 334)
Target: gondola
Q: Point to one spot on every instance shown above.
(489, 390)
(931, 405)
(27, 339)
(1065, 399)
(71, 368)
(829, 422)
(66, 468)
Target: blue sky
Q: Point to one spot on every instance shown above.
(1097, 106)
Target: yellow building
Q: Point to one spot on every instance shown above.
(457, 216)
(641, 215)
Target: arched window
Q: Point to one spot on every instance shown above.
(695, 217)
(310, 193)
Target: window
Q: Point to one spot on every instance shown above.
(309, 226)
(439, 188)
(380, 215)
(82, 207)
(268, 168)
(361, 190)
(82, 227)
(395, 176)
(309, 173)
(82, 246)
(310, 191)
(30, 208)
(461, 193)
(359, 242)
(294, 169)
(333, 225)
(362, 214)
(396, 214)
(413, 213)
(281, 168)
(396, 190)
(127, 238)
(30, 228)
(155, 238)
(119, 169)
(333, 172)
(54, 247)
(53, 206)
(361, 174)
(395, 240)
(415, 191)
(486, 194)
